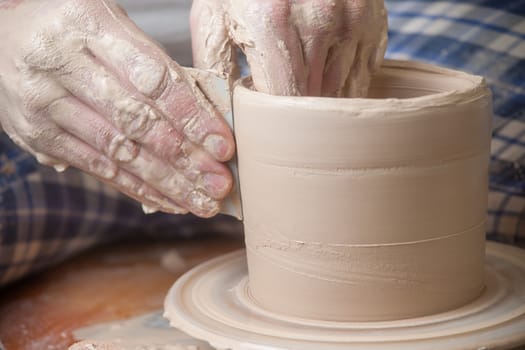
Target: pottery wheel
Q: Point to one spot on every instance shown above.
(212, 302)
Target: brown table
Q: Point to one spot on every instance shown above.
(104, 284)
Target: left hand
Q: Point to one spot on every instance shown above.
(293, 47)
(82, 85)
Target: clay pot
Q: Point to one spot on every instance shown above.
(366, 209)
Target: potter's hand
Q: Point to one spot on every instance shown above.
(293, 47)
(80, 84)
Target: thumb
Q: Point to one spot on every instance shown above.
(211, 45)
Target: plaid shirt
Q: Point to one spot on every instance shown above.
(484, 37)
(47, 216)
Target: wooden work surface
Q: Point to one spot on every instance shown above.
(104, 284)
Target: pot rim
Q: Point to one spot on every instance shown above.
(475, 88)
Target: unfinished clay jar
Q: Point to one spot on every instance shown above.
(366, 209)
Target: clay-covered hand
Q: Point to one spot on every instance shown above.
(293, 47)
(81, 85)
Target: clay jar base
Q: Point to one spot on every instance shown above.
(212, 303)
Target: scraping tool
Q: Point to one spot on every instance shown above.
(219, 90)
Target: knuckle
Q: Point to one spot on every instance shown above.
(42, 54)
(49, 46)
(134, 118)
(194, 129)
(194, 123)
(41, 137)
(166, 143)
(102, 167)
(40, 103)
(29, 135)
(171, 150)
(162, 176)
(118, 147)
(149, 75)
(53, 106)
(202, 205)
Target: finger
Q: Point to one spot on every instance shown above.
(211, 46)
(339, 62)
(97, 87)
(151, 199)
(209, 176)
(368, 19)
(188, 159)
(315, 55)
(89, 126)
(382, 39)
(160, 84)
(155, 75)
(378, 53)
(264, 32)
(64, 144)
(198, 120)
(141, 69)
(358, 80)
(278, 69)
(86, 124)
(84, 157)
(61, 145)
(129, 51)
(138, 120)
(150, 170)
(43, 158)
(173, 184)
(318, 23)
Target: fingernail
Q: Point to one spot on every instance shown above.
(216, 185)
(217, 146)
(202, 205)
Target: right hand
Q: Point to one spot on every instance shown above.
(80, 84)
(293, 47)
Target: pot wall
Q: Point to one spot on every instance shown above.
(366, 209)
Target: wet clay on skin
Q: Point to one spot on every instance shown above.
(84, 87)
(367, 209)
(300, 48)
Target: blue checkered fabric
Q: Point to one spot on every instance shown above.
(484, 37)
(47, 216)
